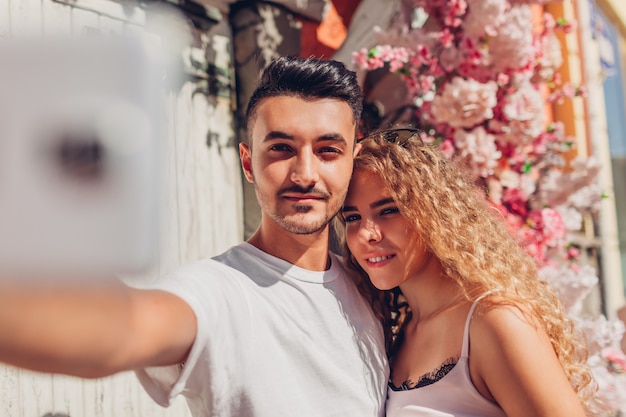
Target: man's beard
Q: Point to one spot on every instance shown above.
(299, 227)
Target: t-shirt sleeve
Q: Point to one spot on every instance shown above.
(164, 383)
(207, 290)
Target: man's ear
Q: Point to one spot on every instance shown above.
(246, 161)
(357, 149)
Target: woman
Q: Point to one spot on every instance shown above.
(430, 256)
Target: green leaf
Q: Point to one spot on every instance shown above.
(527, 167)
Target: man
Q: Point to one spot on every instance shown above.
(271, 327)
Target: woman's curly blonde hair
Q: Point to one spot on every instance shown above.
(440, 200)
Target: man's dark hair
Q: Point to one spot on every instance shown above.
(306, 78)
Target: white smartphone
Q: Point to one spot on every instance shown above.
(80, 145)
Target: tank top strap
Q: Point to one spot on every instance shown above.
(465, 348)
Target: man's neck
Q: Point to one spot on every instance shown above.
(308, 251)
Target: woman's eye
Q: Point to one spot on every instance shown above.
(348, 218)
(390, 210)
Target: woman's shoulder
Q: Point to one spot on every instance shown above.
(500, 325)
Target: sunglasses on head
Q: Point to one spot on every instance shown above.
(400, 136)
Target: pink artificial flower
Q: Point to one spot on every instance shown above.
(556, 96)
(509, 178)
(615, 357)
(528, 183)
(426, 82)
(446, 148)
(540, 144)
(548, 140)
(566, 26)
(478, 149)
(446, 38)
(568, 90)
(537, 252)
(513, 222)
(548, 57)
(484, 17)
(377, 57)
(523, 109)
(464, 103)
(513, 47)
(384, 52)
(548, 21)
(529, 238)
(412, 85)
(573, 253)
(450, 58)
(430, 5)
(502, 79)
(553, 227)
(453, 11)
(360, 58)
(375, 62)
(426, 138)
(396, 57)
(571, 27)
(514, 199)
(471, 51)
(494, 190)
(526, 2)
(535, 219)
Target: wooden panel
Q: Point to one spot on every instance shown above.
(202, 205)
(35, 391)
(5, 18)
(224, 163)
(185, 171)
(67, 395)
(26, 17)
(170, 256)
(56, 18)
(10, 398)
(93, 397)
(83, 20)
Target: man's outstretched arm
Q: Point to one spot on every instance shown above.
(92, 330)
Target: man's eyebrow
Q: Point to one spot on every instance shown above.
(332, 137)
(328, 137)
(277, 134)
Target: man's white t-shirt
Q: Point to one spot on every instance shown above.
(273, 340)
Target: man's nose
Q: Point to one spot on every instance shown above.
(306, 169)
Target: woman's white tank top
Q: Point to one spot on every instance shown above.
(454, 395)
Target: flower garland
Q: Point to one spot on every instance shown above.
(480, 73)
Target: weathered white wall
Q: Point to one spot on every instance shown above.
(203, 212)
